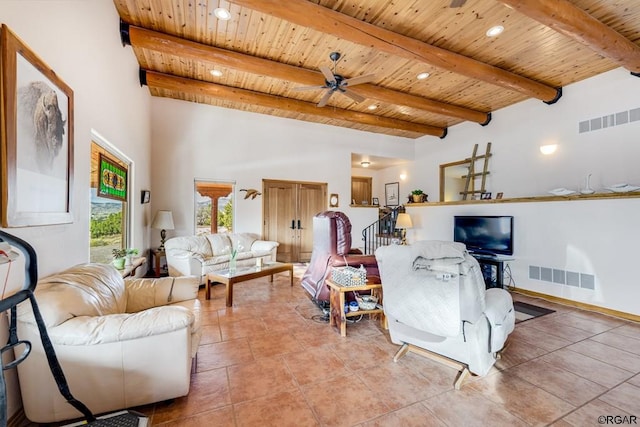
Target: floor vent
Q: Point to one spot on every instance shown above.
(610, 120)
(562, 277)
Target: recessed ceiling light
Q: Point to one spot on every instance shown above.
(222, 14)
(216, 73)
(494, 31)
(372, 107)
(422, 76)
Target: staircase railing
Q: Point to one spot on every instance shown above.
(380, 233)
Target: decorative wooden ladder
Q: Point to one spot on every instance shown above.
(469, 186)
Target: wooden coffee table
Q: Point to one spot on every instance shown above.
(242, 274)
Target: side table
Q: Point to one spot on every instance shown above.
(157, 255)
(337, 315)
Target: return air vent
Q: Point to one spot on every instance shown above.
(610, 120)
(562, 277)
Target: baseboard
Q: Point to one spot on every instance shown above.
(581, 305)
(18, 419)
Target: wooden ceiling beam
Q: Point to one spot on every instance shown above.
(160, 42)
(328, 21)
(563, 17)
(199, 88)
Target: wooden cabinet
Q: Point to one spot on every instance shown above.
(289, 208)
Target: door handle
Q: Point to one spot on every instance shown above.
(299, 228)
(293, 224)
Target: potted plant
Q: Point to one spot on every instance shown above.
(118, 258)
(417, 196)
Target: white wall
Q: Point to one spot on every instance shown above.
(200, 141)
(80, 41)
(598, 237)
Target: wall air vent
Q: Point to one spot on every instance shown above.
(609, 120)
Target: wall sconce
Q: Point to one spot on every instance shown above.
(365, 164)
(403, 176)
(548, 149)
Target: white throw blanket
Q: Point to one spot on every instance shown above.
(407, 270)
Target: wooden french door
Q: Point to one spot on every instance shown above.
(289, 208)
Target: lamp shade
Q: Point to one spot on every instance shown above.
(163, 220)
(404, 221)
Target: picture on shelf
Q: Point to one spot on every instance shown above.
(485, 196)
(499, 195)
(376, 201)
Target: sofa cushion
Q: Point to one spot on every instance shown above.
(83, 290)
(220, 244)
(146, 293)
(194, 244)
(242, 241)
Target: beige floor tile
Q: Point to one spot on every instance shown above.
(416, 415)
(605, 353)
(223, 418)
(361, 352)
(635, 380)
(210, 334)
(622, 342)
(517, 352)
(273, 343)
(284, 321)
(584, 323)
(539, 338)
(242, 328)
(344, 401)
(625, 397)
(602, 318)
(631, 329)
(468, 407)
(398, 385)
(559, 382)
(277, 410)
(315, 364)
(226, 353)
(588, 414)
(587, 367)
(560, 330)
(441, 377)
(209, 390)
(521, 398)
(261, 378)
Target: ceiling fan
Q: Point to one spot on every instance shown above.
(457, 3)
(336, 83)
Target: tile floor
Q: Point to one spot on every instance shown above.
(270, 361)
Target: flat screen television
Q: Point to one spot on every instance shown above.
(485, 235)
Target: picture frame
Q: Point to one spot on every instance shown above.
(485, 196)
(333, 200)
(145, 196)
(376, 201)
(391, 194)
(36, 143)
(499, 195)
(112, 179)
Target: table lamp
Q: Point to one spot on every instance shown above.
(164, 221)
(403, 222)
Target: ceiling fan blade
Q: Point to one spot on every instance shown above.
(325, 98)
(354, 96)
(457, 3)
(303, 88)
(358, 80)
(328, 75)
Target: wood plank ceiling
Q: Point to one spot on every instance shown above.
(271, 47)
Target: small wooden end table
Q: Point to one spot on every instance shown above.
(337, 315)
(157, 255)
(242, 274)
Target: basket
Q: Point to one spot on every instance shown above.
(349, 276)
(367, 302)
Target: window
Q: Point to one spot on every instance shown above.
(109, 223)
(213, 207)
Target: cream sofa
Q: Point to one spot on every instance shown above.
(202, 254)
(121, 342)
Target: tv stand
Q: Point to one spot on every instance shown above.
(487, 263)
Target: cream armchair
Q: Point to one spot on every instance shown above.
(436, 305)
(121, 343)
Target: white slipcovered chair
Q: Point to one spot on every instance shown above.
(120, 342)
(436, 305)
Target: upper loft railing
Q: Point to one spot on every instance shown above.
(380, 233)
